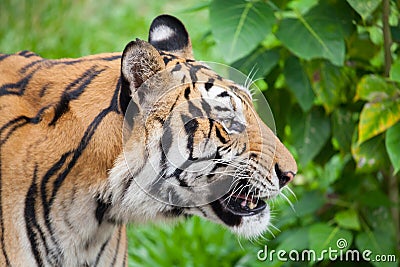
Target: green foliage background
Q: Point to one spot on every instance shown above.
(332, 81)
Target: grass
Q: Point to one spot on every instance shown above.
(58, 29)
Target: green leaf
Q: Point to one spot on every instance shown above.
(395, 71)
(258, 63)
(379, 243)
(377, 117)
(348, 219)
(364, 7)
(371, 155)
(343, 125)
(319, 33)
(298, 82)
(374, 88)
(331, 84)
(333, 170)
(310, 132)
(239, 26)
(360, 48)
(393, 146)
(375, 199)
(309, 203)
(293, 239)
(325, 237)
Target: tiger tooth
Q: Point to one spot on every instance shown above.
(251, 205)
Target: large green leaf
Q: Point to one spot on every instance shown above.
(395, 71)
(239, 26)
(298, 82)
(364, 7)
(333, 170)
(393, 145)
(319, 33)
(343, 124)
(374, 88)
(377, 117)
(324, 238)
(331, 84)
(309, 203)
(310, 132)
(294, 239)
(371, 155)
(379, 243)
(348, 219)
(258, 63)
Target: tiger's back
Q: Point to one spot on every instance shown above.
(52, 112)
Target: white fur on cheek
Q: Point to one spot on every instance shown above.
(161, 33)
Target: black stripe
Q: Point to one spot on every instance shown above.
(125, 254)
(43, 90)
(223, 94)
(117, 248)
(17, 88)
(101, 252)
(193, 72)
(81, 83)
(52, 63)
(191, 126)
(210, 125)
(167, 137)
(18, 122)
(177, 67)
(31, 222)
(13, 125)
(33, 63)
(4, 56)
(194, 111)
(187, 92)
(23, 53)
(209, 84)
(174, 104)
(206, 107)
(125, 94)
(101, 209)
(67, 162)
(219, 135)
(218, 108)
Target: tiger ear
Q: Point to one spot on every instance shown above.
(140, 60)
(168, 33)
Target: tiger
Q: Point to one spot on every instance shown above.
(91, 144)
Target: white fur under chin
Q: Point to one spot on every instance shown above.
(253, 226)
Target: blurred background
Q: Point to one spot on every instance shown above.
(330, 70)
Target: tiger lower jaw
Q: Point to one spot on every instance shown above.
(248, 220)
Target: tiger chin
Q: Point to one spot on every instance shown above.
(91, 144)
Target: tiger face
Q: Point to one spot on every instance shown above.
(193, 143)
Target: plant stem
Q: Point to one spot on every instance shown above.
(393, 184)
(387, 36)
(393, 192)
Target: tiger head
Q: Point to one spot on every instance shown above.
(193, 143)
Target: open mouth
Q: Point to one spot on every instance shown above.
(242, 204)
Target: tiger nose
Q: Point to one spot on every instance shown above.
(284, 177)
